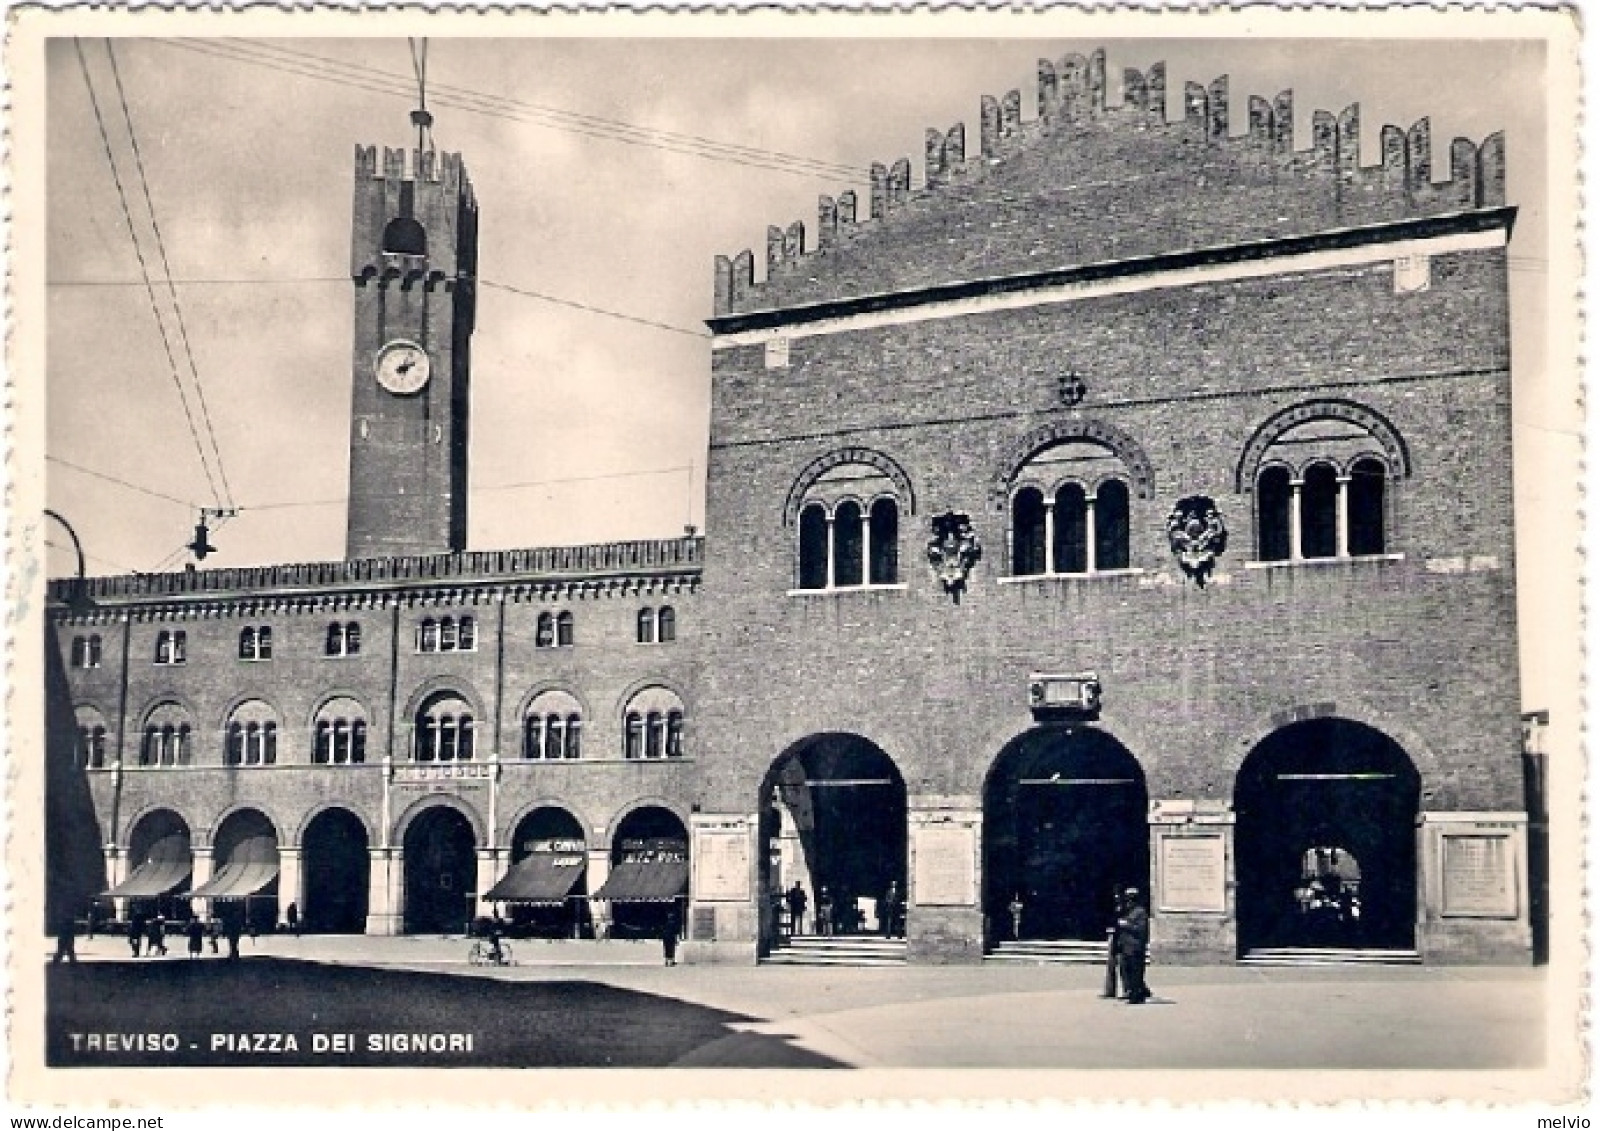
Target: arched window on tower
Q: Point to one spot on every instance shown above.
(1111, 525)
(883, 541)
(1027, 533)
(404, 236)
(1273, 528)
(1319, 512)
(666, 625)
(849, 529)
(1367, 477)
(1071, 540)
(645, 630)
(848, 543)
(814, 546)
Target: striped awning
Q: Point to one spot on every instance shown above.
(540, 877)
(251, 868)
(166, 869)
(656, 881)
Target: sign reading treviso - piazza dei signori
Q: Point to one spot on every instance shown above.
(1115, 496)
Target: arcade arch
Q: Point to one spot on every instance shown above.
(336, 870)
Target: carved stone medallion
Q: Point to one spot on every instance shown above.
(1197, 536)
(952, 551)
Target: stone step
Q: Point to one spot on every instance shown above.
(1329, 956)
(1076, 952)
(838, 950)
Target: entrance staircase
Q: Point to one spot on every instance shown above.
(838, 950)
(1328, 956)
(1030, 952)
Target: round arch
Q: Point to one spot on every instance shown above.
(833, 823)
(1396, 455)
(410, 814)
(618, 819)
(509, 825)
(546, 686)
(869, 457)
(151, 824)
(639, 686)
(239, 701)
(230, 812)
(1125, 447)
(437, 684)
(368, 828)
(1325, 839)
(1065, 828)
(335, 870)
(439, 839)
(329, 696)
(1416, 746)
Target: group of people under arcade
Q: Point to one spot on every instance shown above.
(838, 914)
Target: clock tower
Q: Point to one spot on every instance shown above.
(414, 262)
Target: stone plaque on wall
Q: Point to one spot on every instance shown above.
(721, 860)
(1194, 874)
(1478, 877)
(945, 863)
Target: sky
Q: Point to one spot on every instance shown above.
(586, 426)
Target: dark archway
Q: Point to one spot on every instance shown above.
(649, 873)
(561, 906)
(1326, 839)
(337, 873)
(441, 872)
(160, 865)
(244, 870)
(1065, 827)
(833, 820)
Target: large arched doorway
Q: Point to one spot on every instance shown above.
(649, 879)
(833, 821)
(244, 871)
(1326, 839)
(441, 872)
(543, 890)
(1065, 827)
(160, 865)
(337, 869)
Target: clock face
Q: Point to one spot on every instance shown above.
(402, 367)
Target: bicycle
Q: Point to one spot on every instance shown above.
(482, 953)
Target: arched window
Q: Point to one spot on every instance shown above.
(1071, 541)
(645, 630)
(247, 644)
(1027, 533)
(335, 645)
(849, 541)
(1367, 477)
(345, 639)
(849, 528)
(444, 729)
(1059, 525)
(814, 547)
(340, 733)
(167, 737)
(1111, 525)
(653, 725)
(255, 643)
(564, 629)
(545, 636)
(405, 236)
(86, 651)
(1273, 499)
(666, 624)
(883, 542)
(1319, 512)
(91, 738)
(1321, 473)
(251, 735)
(574, 742)
(467, 634)
(447, 634)
(171, 646)
(428, 635)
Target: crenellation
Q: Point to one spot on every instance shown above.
(366, 161)
(878, 178)
(743, 280)
(1262, 161)
(989, 127)
(394, 164)
(899, 183)
(1217, 122)
(722, 284)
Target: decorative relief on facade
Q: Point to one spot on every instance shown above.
(1071, 389)
(952, 551)
(1197, 536)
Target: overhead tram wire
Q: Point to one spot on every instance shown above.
(386, 83)
(574, 305)
(166, 271)
(122, 482)
(144, 270)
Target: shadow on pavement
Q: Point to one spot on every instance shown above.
(210, 1013)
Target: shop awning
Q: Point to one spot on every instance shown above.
(251, 868)
(658, 881)
(541, 877)
(165, 870)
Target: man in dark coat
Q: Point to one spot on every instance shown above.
(1133, 946)
(797, 908)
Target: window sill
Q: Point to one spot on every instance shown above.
(442, 652)
(845, 590)
(1097, 575)
(341, 656)
(682, 760)
(1312, 563)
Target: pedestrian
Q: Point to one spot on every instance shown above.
(195, 931)
(292, 916)
(775, 897)
(234, 929)
(1133, 947)
(136, 932)
(669, 937)
(1015, 907)
(213, 933)
(156, 937)
(889, 912)
(252, 922)
(797, 908)
(66, 941)
(824, 912)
